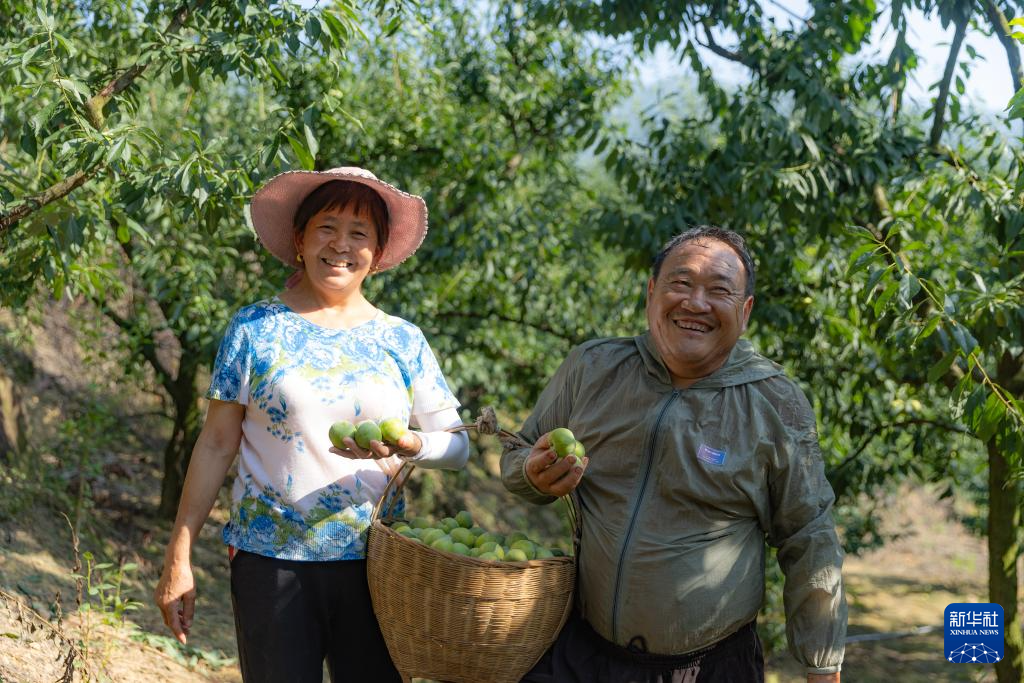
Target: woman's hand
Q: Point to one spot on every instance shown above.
(175, 595)
(407, 446)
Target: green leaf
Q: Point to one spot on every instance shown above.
(862, 256)
(1016, 105)
(27, 142)
(964, 339)
(939, 370)
(876, 276)
(307, 130)
(989, 417)
(909, 287)
(929, 328)
(79, 90)
(337, 29)
(811, 145)
(885, 296)
(313, 29)
(303, 155)
(30, 54)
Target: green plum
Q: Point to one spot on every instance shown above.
(367, 431)
(562, 441)
(432, 535)
(339, 431)
(463, 535)
(393, 429)
(528, 549)
(516, 555)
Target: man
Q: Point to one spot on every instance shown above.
(699, 448)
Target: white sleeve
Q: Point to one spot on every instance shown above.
(441, 449)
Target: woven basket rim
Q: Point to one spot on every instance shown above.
(490, 564)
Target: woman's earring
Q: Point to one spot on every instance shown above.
(298, 257)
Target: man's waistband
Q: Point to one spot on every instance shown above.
(637, 653)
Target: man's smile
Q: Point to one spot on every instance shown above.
(690, 324)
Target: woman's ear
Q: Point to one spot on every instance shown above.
(298, 246)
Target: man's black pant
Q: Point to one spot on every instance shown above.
(290, 616)
(582, 656)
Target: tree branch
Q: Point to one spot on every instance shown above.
(96, 103)
(94, 112)
(50, 194)
(723, 52)
(896, 425)
(1002, 30)
(509, 319)
(147, 348)
(947, 76)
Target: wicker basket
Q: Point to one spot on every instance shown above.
(458, 619)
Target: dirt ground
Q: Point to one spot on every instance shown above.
(899, 588)
(904, 586)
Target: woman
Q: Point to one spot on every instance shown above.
(286, 370)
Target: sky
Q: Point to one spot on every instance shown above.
(989, 87)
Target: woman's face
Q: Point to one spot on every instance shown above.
(338, 248)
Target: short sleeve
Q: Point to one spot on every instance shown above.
(229, 380)
(430, 392)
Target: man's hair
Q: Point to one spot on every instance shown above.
(340, 194)
(710, 232)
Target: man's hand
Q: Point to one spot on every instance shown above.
(175, 595)
(823, 678)
(407, 446)
(550, 474)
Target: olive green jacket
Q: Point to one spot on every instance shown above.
(682, 489)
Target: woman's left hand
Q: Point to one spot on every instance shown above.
(408, 446)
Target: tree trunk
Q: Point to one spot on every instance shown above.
(12, 419)
(178, 452)
(1003, 549)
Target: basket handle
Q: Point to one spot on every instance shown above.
(486, 423)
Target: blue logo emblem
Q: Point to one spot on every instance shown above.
(974, 633)
(709, 455)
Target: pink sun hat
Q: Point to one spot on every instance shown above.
(274, 205)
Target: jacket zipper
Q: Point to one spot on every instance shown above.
(636, 511)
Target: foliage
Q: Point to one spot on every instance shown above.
(888, 237)
(103, 585)
(186, 655)
(815, 143)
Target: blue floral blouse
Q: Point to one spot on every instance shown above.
(294, 499)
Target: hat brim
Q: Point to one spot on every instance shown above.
(274, 205)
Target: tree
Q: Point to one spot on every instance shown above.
(480, 118)
(123, 187)
(888, 238)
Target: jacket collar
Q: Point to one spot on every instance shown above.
(743, 366)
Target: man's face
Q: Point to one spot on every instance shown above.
(696, 309)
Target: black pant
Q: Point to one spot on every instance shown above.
(580, 655)
(290, 616)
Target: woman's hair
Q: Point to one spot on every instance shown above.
(341, 194)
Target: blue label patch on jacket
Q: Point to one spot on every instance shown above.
(709, 455)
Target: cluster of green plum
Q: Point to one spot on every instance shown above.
(388, 431)
(564, 443)
(459, 535)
